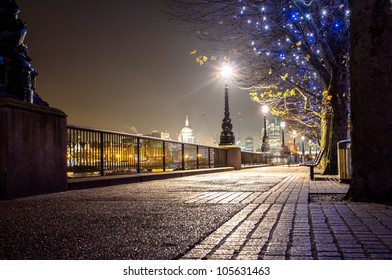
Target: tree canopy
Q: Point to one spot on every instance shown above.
(292, 55)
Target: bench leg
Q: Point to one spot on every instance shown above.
(311, 173)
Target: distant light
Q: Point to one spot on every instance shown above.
(264, 109)
(282, 125)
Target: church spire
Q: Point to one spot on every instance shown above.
(186, 121)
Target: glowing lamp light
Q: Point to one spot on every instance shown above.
(282, 125)
(265, 109)
(226, 72)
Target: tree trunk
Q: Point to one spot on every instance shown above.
(371, 100)
(325, 128)
(336, 121)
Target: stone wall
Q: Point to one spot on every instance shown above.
(33, 145)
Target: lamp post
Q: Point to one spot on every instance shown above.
(265, 145)
(227, 135)
(303, 148)
(295, 145)
(283, 125)
(310, 147)
(295, 151)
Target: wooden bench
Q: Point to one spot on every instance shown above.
(314, 163)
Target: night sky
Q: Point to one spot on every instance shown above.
(121, 65)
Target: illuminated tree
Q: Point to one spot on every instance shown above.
(300, 108)
(295, 50)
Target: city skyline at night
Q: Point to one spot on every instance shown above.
(128, 69)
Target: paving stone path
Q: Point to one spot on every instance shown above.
(298, 219)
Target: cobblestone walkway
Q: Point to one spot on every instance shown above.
(269, 213)
(298, 219)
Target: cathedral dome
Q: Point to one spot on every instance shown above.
(187, 134)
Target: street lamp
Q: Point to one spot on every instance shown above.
(283, 125)
(303, 147)
(227, 135)
(295, 145)
(265, 145)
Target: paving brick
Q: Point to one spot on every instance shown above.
(274, 257)
(246, 257)
(381, 256)
(355, 256)
(220, 257)
(196, 254)
(301, 258)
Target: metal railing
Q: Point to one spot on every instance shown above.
(92, 152)
(253, 158)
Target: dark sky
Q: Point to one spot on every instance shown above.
(121, 64)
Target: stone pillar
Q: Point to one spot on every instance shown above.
(33, 147)
(233, 156)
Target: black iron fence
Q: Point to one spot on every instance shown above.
(253, 158)
(92, 152)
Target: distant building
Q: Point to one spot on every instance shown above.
(249, 144)
(165, 135)
(187, 134)
(275, 136)
(158, 134)
(274, 132)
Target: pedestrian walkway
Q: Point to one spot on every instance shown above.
(267, 213)
(303, 220)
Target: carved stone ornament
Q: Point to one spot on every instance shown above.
(17, 75)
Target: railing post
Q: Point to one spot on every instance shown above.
(102, 172)
(209, 157)
(183, 156)
(197, 157)
(138, 155)
(164, 156)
